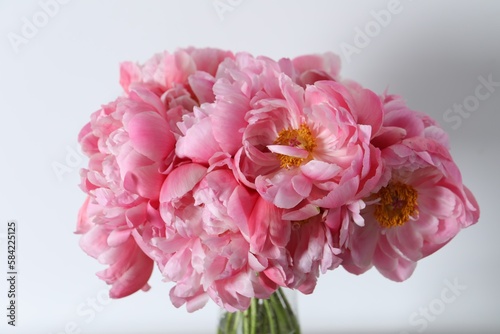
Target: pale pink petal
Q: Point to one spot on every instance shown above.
(180, 181)
(118, 237)
(367, 107)
(83, 224)
(441, 204)
(287, 197)
(363, 244)
(320, 170)
(199, 143)
(129, 73)
(342, 194)
(289, 151)
(208, 59)
(302, 185)
(202, 85)
(305, 212)
(400, 269)
(327, 63)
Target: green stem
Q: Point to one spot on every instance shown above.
(270, 317)
(236, 323)
(225, 322)
(264, 316)
(246, 322)
(229, 317)
(253, 316)
(280, 314)
(291, 314)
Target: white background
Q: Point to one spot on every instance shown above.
(431, 52)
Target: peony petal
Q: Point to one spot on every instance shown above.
(136, 215)
(94, 241)
(473, 211)
(150, 135)
(286, 196)
(438, 201)
(320, 170)
(228, 118)
(129, 267)
(118, 237)
(302, 185)
(202, 85)
(367, 106)
(396, 269)
(305, 212)
(180, 181)
(363, 243)
(240, 206)
(199, 143)
(129, 73)
(83, 224)
(144, 181)
(256, 263)
(289, 151)
(387, 136)
(340, 195)
(197, 302)
(327, 62)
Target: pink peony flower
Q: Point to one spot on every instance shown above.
(206, 243)
(400, 122)
(102, 218)
(239, 81)
(217, 127)
(315, 144)
(238, 175)
(189, 68)
(308, 69)
(130, 143)
(311, 250)
(288, 143)
(421, 207)
(257, 113)
(112, 244)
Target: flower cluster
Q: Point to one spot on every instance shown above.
(237, 175)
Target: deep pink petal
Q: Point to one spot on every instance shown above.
(150, 135)
(145, 181)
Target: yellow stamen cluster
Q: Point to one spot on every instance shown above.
(398, 202)
(301, 138)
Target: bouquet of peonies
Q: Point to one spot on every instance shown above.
(239, 175)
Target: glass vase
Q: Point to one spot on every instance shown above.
(276, 315)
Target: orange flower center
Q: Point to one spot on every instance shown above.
(300, 138)
(398, 202)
